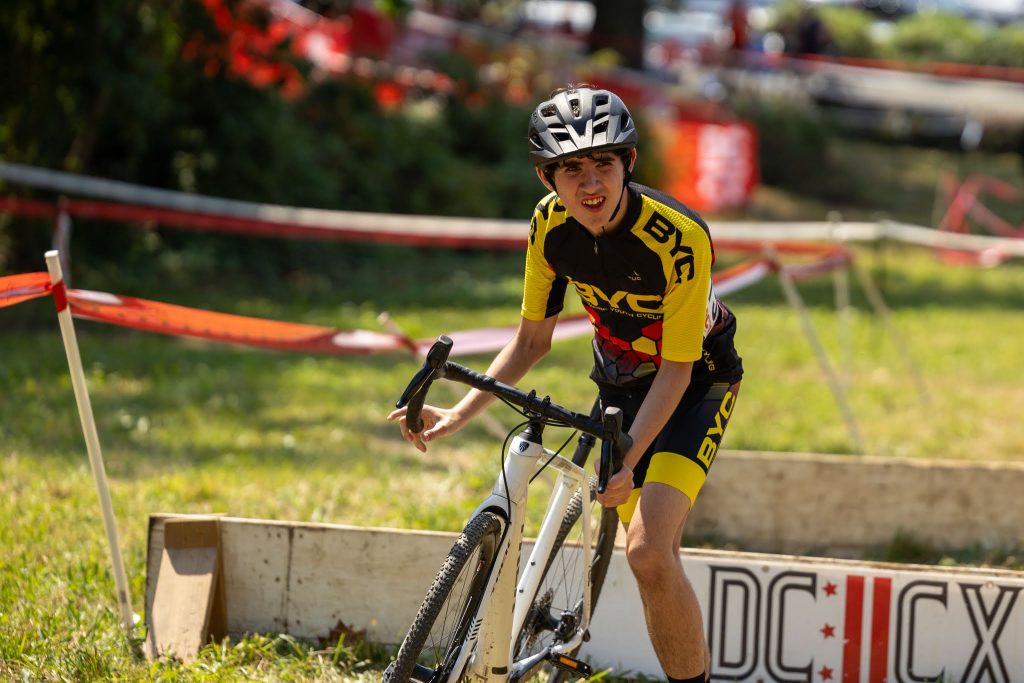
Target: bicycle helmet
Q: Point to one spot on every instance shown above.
(578, 120)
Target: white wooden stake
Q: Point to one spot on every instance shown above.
(841, 285)
(882, 311)
(793, 296)
(92, 442)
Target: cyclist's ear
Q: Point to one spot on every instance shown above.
(545, 178)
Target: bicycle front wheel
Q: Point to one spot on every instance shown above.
(431, 648)
(557, 609)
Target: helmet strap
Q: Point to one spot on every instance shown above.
(618, 206)
(627, 157)
(627, 176)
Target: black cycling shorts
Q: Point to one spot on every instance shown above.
(684, 451)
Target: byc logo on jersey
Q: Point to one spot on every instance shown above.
(713, 437)
(663, 232)
(619, 301)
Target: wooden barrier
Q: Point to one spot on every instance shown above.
(841, 505)
(768, 617)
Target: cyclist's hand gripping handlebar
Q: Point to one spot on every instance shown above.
(416, 392)
(614, 444)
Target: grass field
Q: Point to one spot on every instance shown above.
(196, 427)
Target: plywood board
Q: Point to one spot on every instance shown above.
(188, 605)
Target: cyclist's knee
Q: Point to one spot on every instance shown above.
(650, 561)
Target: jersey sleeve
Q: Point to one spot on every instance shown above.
(686, 299)
(543, 289)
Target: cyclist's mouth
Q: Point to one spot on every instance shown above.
(593, 204)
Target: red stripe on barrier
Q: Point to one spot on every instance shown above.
(804, 271)
(880, 602)
(60, 296)
(17, 288)
(263, 228)
(256, 227)
(27, 207)
(852, 626)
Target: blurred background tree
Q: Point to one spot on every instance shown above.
(619, 27)
(119, 90)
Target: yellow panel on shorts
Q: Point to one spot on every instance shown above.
(672, 470)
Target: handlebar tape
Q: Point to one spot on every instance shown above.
(416, 392)
(614, 445)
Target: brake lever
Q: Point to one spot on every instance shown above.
(416, 392)
(614, 444)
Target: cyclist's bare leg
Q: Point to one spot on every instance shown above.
(670, 604)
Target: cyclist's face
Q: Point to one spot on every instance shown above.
(590, 187)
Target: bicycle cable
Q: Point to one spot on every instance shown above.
(530, 417)
(553, 422)
(553, 456)
(504, 475)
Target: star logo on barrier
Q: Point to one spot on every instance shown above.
(825, 673)
(828, 631)
(830, 589)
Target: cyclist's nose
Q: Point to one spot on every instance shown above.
(589, 178)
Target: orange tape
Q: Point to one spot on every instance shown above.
(17, 288)
(154, 316)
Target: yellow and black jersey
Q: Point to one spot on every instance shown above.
(646, 287)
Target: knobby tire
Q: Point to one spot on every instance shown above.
(455, 601)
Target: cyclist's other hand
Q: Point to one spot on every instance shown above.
(620, 485)
(436, 422)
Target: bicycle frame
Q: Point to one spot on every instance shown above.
(503, 611)
(489, 635)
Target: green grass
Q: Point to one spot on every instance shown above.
(196, 427)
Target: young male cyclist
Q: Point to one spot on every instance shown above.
(663, 343)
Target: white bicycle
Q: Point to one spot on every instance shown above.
(484, 619)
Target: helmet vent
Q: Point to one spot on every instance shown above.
(579, 120)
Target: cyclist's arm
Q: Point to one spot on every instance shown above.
(669, 384)
(531, 342)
